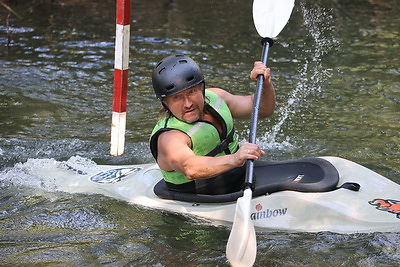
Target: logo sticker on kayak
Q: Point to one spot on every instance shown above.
(268, 213)
(389, 205)
(113, 176)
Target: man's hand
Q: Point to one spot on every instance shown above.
(248, 151)
(260, 69)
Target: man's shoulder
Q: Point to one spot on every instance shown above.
(216, 91)
(221, 93)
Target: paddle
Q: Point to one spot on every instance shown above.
(270, 16)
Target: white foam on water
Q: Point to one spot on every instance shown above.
(22, 174)
(25, 174)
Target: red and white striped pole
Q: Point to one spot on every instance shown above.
(122, 35)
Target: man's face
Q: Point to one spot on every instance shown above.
(187, 105)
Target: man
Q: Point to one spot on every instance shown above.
(194, 142)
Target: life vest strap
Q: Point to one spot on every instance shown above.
(223, 146)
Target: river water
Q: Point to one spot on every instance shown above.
(337, 77)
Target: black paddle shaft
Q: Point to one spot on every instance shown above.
(249, 182)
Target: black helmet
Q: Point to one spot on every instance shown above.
(175, 74)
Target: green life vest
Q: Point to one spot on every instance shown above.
(206, 140)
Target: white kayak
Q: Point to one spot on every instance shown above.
(350, 199)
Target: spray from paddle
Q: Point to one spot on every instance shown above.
(317, 22)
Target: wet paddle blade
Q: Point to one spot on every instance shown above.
(270, 16)
(241, 249)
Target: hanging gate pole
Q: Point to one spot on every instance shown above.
(122, 36)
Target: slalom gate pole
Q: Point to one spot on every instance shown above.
(122, 36)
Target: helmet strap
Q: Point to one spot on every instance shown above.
(204, 89)
(165, 106)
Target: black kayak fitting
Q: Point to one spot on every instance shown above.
(302, 175)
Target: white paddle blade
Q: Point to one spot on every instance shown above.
(270, 16)
(241, 249)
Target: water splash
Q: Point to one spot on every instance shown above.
(312, 73)
(25, 174)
